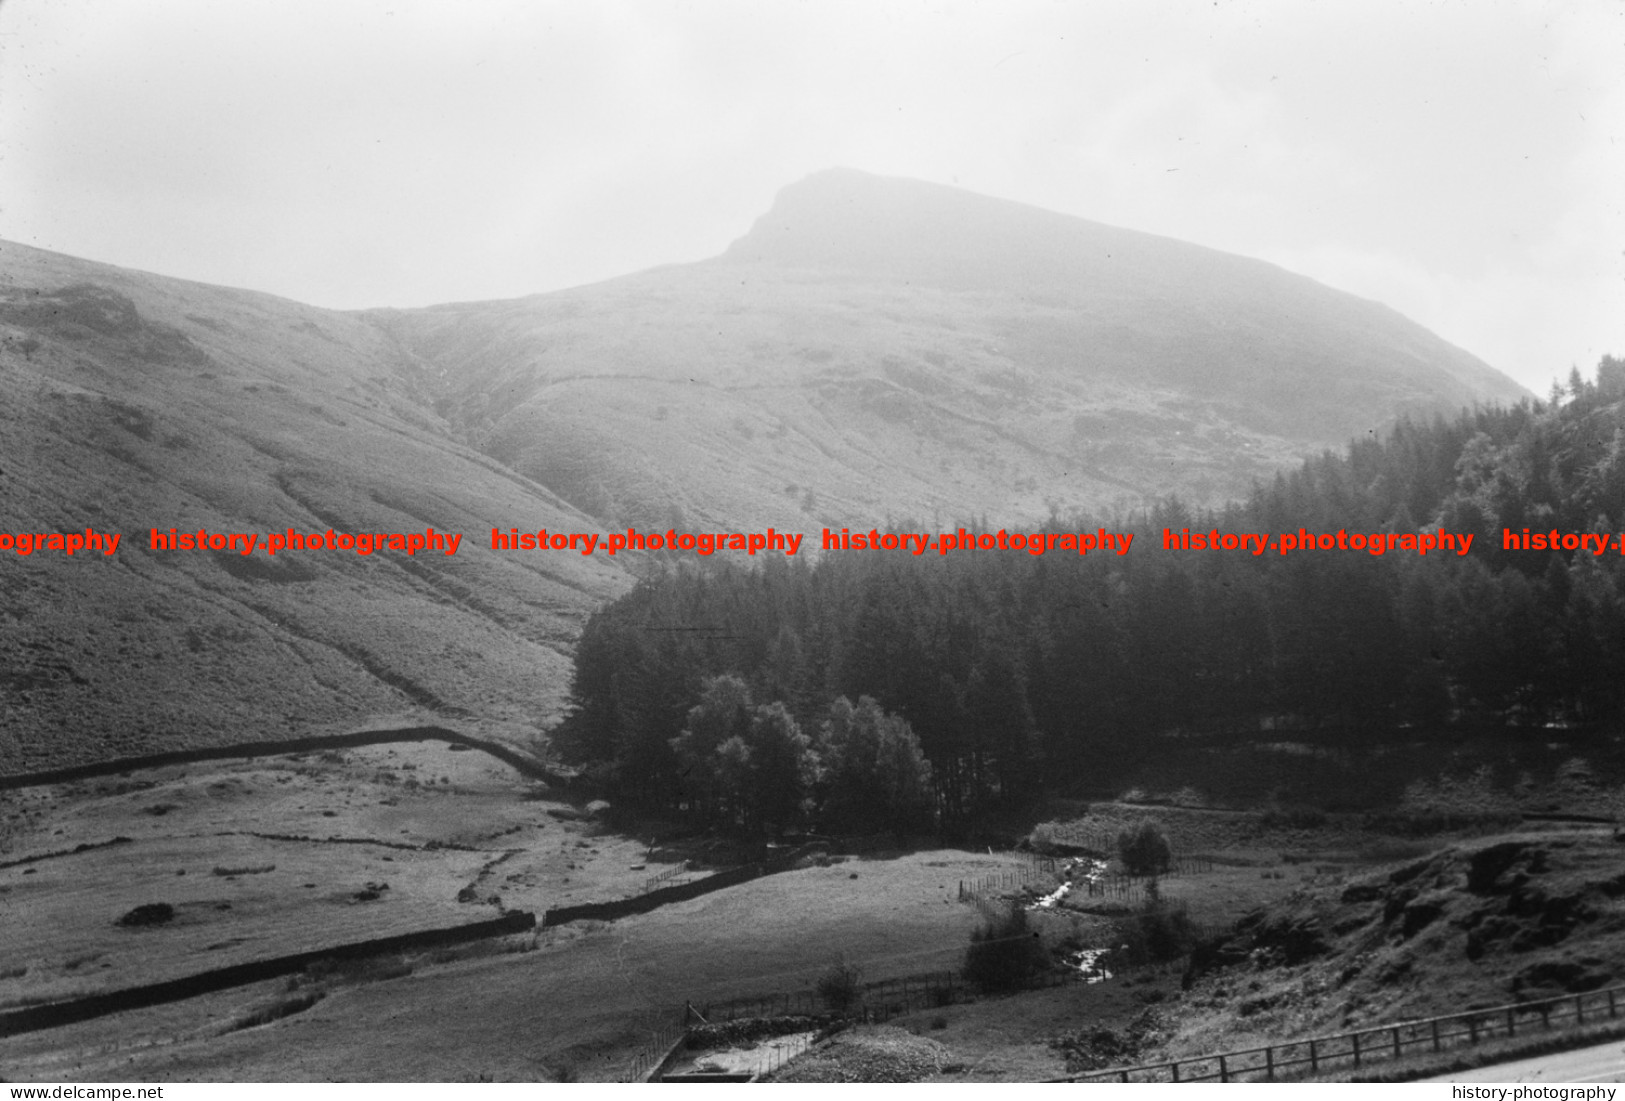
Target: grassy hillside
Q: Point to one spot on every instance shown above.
(130, 402)
(1516, 917)
(882, 347)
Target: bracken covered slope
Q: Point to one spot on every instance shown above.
(1479, 924)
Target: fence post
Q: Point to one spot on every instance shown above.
(1269, 1063)
(1512, 1025)
(1356, 1049)
(1396, 1041)
(1579, 1009)
(1175, 1067)
(1472, 1030)
(1314, 1059)
(1435, 1024)
(1610, 1003)
(1224, 1071)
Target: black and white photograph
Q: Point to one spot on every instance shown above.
(812, 541)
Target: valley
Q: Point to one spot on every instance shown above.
(873, 350)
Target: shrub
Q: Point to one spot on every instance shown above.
(1144, 849)
(838, 986)
(1005, 954)
(1155, 934)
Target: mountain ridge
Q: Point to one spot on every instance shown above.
(1138, 257)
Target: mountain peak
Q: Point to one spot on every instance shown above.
(926, 233)
(1111, 284)
(845, 218)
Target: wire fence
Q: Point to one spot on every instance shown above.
(798, 1003)
(1035, 868)
(1134, 889)
(655, 881)
(781, 1053)
(653, 1055)
(1355, 1050)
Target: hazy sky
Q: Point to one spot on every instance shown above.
(1463, 162)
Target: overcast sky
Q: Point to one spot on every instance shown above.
(1463, 162)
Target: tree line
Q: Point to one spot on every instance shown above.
(984, 677)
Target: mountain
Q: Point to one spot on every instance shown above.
(130, 402)
(871, 348)
(878, 347)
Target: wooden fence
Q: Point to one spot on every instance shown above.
(1353, 1050)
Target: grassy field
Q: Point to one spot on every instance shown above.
(585, 998)
(232, 846)
(269, 857)
(576, 1001)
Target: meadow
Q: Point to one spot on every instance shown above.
(276, 855)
